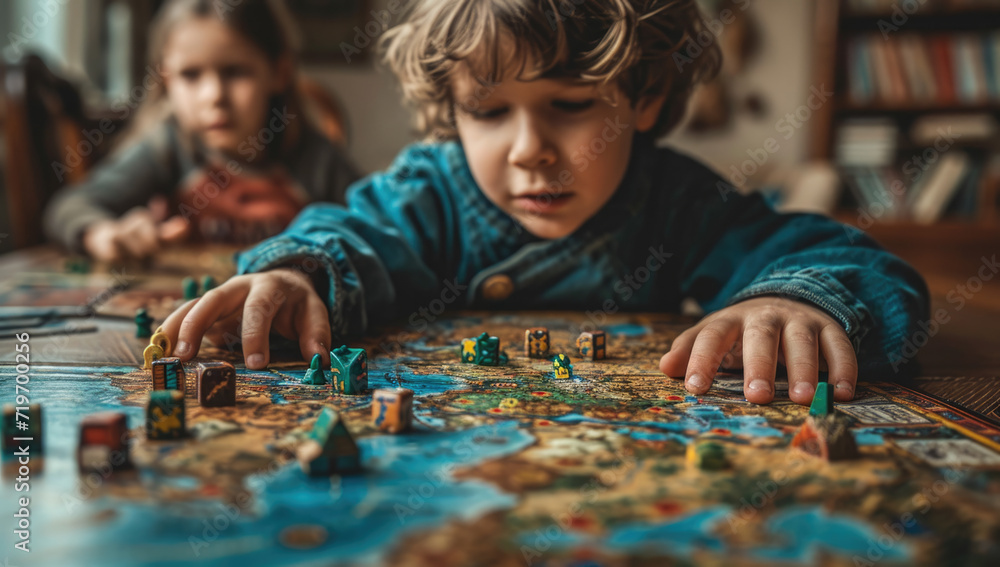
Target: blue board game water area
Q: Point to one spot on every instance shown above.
(407, 484)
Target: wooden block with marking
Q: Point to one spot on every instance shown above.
(392, 409)
(216, 384)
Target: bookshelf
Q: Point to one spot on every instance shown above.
(914, 127)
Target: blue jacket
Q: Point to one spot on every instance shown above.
(421, 237)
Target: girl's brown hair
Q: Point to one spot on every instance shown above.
(645, 47)
(266, 24)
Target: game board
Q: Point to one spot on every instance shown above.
(585, 471)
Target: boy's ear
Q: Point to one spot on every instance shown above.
(647, 111)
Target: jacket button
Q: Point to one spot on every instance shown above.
(497, 287)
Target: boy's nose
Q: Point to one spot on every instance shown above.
(531, 147)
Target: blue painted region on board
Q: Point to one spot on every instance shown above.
(627, 330)
(808, 530)
(865, 437)
(805, 534)
(698, 419)
(654, 436)
(406, 485)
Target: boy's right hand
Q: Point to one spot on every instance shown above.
(251, 307)
(135, 235)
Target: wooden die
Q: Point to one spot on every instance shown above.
(168, 374)
(165, 415)
(216, 384)
(392, 409)
(536, 342)
(103, 442)
(592, 345)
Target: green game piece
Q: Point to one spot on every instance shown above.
(77, 265)
(487, 350)
(349, 370)
(190, 287)
(710, 456)
(207, 283)
(329, 449)
(143, 324)
(315, 375)
(822, 404)
(562, 366)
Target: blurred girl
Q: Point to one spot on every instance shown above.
(221, 149)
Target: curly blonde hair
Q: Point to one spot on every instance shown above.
(645, 47)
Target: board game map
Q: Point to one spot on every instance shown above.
(585, 471)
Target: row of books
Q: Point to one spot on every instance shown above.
(925, 6)
(952, 187)
(930, 69)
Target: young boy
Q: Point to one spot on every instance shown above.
(547, 190)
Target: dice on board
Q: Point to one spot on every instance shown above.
(329, 449)
(468, 351)
(168, 374)
(392, 409)
(592, 345)
(216, 384)
(103, 442)
(165, 418)
(349, 370)
(536, 342)
(562, 366)
(27, 436)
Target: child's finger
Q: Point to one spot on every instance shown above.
(174, 229)
(760, 360)
(841, 360)
(214, 305)
(801, 347)
(172, 324)
(713, 342)
(674, 362)
(312, 323)
(261, 305)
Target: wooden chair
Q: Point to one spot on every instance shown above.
(45, 125)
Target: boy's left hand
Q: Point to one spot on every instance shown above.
(757, 334)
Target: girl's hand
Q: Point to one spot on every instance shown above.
(250, 307)
(135, 235)
(756, 335)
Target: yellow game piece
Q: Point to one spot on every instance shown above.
(160, 339)
(508, 404)
(151, 353)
